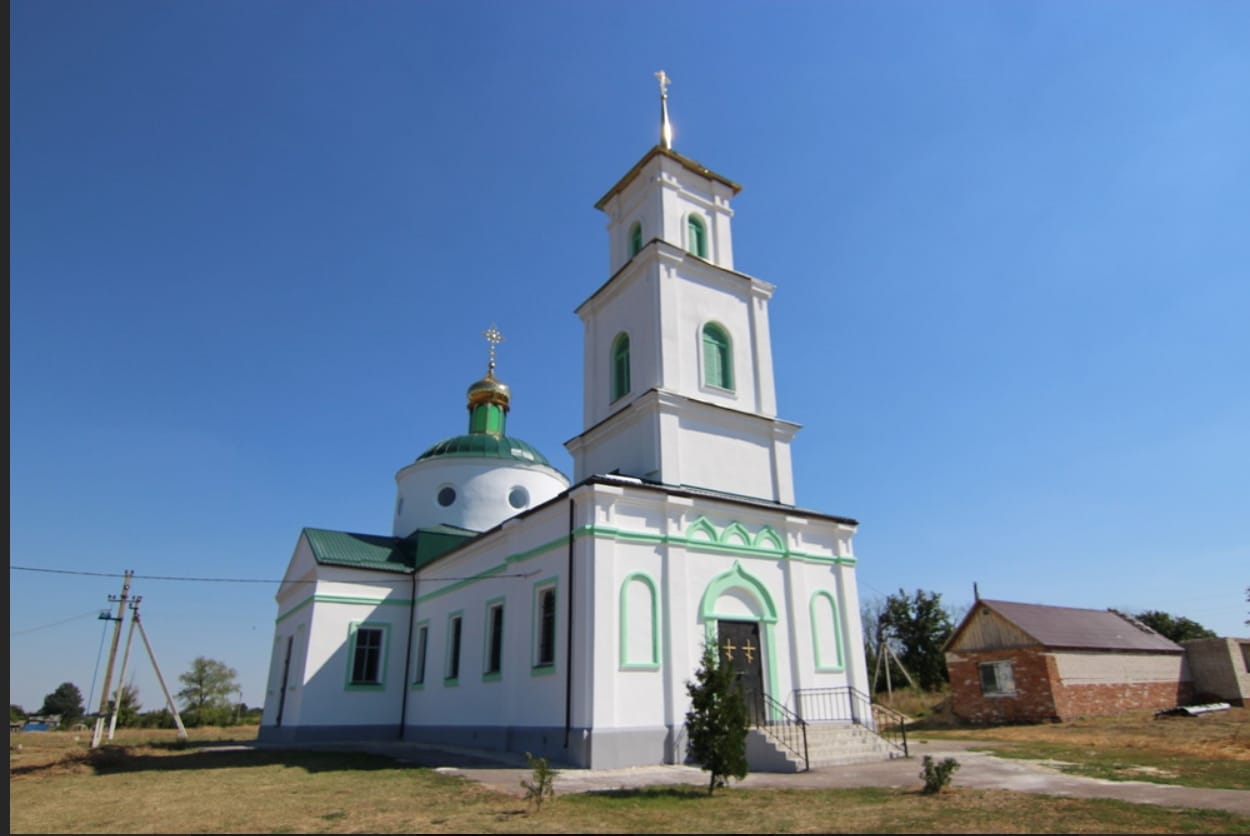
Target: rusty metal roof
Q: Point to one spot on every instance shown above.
(1078, 629)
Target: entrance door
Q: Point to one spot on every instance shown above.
(739, 643)
(286, 672)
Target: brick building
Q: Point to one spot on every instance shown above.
(1012, 662)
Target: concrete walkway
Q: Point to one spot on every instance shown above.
(503, 772)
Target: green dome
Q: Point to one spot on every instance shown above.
(486, 446)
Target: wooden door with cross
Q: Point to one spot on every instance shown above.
(739, 645)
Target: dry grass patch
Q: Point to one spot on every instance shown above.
(1210, 750)
(151, 786)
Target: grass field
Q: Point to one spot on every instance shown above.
(146, 784)
(1210, 750)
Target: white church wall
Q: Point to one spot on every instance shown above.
(483, 492)
(626, 305)
(627, 444)
(718, 450)
(509, 567)
(707, 296)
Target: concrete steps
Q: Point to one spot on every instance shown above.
(828, 744)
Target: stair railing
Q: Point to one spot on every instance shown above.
(782, 725)
(849, 705)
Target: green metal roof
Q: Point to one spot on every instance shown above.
(385, 554)
(485, 446)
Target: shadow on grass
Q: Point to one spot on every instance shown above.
(654, 793)
(119, 759)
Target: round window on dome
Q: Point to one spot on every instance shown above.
(519, 497)
(446, 496)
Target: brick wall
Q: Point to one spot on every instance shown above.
(1041, 695)
(1089, 700)
(1033, 672)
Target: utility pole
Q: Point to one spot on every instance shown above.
(169, 701)
(121, 675)
(108, 671)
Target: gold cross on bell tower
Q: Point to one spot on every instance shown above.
(666, 129)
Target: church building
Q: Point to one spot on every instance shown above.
(513, 608)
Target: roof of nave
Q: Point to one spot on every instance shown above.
(381, 553)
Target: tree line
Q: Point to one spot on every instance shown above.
(204, 700)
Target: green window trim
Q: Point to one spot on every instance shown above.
(492, 648)
(545, 620)
(696, 233)
(422, 647)
(620, 367)
(455, 647)
(628, 663)
(635, 239)
(718, 370)
(818, 650)
(368, 658)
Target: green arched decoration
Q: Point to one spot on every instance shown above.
(626, 661)
(701, 526)
(738, 578)
(697, 233)
(635, 239)
(735, 529)
(835, 663)
(768, 539)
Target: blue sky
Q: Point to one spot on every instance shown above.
(253, 247)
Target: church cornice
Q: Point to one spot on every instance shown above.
(683, 161)
(664, 249)
(670, 399)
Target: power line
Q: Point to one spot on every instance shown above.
(54, 624)
(246, 580)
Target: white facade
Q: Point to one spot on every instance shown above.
(569, 628)
(483, 492)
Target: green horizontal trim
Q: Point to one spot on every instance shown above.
(320, 598)
(618, 534)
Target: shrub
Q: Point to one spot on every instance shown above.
(937, 775)
(541, 787)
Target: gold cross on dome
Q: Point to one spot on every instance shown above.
(665, 81)
(493, 337)
(729, 650)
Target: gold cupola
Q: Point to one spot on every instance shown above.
(489, 398)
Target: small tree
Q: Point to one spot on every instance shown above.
(716, 724)
(17, 714)
(209, 685)
(66, 701)
(918, 627)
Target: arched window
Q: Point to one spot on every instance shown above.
(620, 366)
(697, 233)
(635, 239)
(717, 357)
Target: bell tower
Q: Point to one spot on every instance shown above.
(677, 357)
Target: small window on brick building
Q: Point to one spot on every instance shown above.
(997, 678)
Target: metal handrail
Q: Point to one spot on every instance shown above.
(849, 705)
(783, 725)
